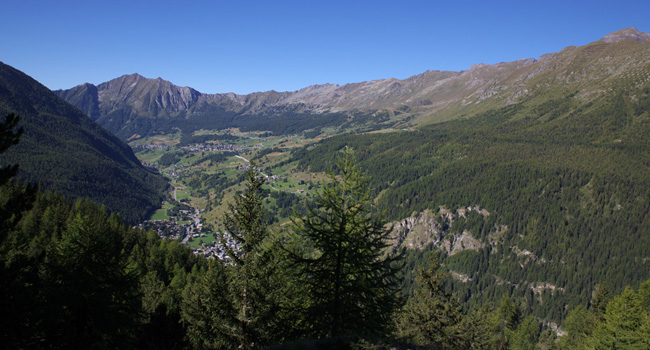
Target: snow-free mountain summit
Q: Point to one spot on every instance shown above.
(132, 106)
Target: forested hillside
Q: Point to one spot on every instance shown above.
(565, 184)
(63, 149)
(502, 207)
(75, 277)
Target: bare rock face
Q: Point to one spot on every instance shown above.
(628, 33)
(416, 232)
(465, 241)
(427, 227)
(147, 96)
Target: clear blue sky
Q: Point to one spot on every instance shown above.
(248, 46)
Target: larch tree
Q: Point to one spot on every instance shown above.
(343, 260)
(251, 271)
(208, 310)
(431, 316)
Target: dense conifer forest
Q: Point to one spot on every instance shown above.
(565, 183)
(63, 149)
(535, 204)
(75, 276)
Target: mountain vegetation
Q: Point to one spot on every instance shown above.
(64, 150)
(342, 265)
(133, 107)
(76, 277)
(563, 182)
(502, 207)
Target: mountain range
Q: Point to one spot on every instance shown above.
(132, 106)
(534, 186)
(62, 149)
(528, 179)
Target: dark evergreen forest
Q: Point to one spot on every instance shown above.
(75, 276)
(63, 149)
(569, 180)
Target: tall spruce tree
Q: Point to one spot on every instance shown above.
(17, 271)
(14, 199)
(245, 241)
(343, 264)
(527, 335)
(625, 324)
(432, 316)
(600, 297)
(208, 311)
(579, 325)
(91, 295)
(505, 321)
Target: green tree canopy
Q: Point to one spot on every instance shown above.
(251, 274)
(432, 316)
(344, 265)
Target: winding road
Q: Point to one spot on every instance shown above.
(266, 176)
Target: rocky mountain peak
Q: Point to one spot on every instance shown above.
(628, 33)
(134, 96)
(149, 96)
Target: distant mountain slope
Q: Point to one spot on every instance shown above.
(85, 98)
(66, 151)
(132, 106)
(544, 196)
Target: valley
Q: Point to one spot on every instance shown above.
(206, 169)
(542, 145)
(505, 206)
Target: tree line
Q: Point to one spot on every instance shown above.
(565, 180)
(75, 276)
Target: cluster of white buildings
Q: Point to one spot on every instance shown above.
(153, 146)
(215, 249)
(212, 147)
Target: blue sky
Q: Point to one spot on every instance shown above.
(248, 46)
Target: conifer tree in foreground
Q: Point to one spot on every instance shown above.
(12, 201)
(251, 271)
(343, 264)
(9, 136)
(431, 316)
(625, 324)
(208, 310)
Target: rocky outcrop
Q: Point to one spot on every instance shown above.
(459, 243)
(628, 33)
(428, 228)
(417, 232)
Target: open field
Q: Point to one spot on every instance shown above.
(207, 181)
(161, 214)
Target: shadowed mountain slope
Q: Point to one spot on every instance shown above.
(66, 151)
